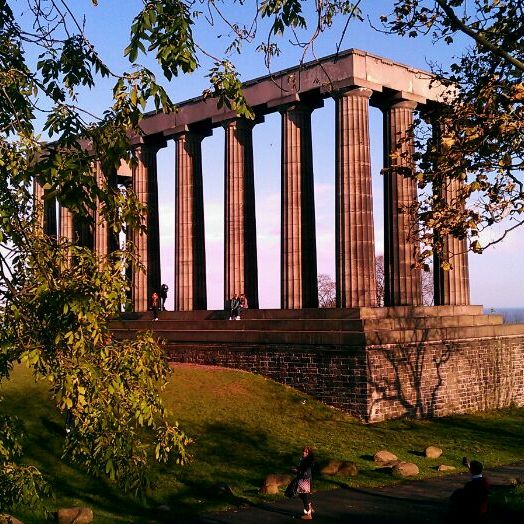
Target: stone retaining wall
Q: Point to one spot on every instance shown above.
(377, 383)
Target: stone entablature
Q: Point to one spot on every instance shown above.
(318, 79)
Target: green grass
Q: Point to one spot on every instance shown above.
(245, 427)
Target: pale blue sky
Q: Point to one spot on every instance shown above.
(494, 279)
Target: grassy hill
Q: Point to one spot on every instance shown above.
(245, 427)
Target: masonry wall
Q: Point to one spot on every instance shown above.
(378, 383)
(438, 379)
(335, 377)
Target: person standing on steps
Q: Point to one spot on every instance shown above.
(163, 295)
(234, 306)
(243, 304)
(155, 305)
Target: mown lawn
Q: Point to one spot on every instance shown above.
(245, 427)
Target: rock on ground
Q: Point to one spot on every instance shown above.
(343, 468)
(74, 516)
(9, 519)
(384, 458)
(348, 469)
(273, 482)
(432, 452)
(278, 479)
(405, 469)
(331, 468)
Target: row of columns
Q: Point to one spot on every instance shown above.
(354, 228)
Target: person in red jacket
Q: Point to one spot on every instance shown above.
(155, 305)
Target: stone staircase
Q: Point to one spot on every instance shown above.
(319, 327)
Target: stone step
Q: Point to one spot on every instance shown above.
(316, 324)
(331, 338)
(318, 313)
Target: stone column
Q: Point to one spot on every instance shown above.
(106, 240)
(451, 286)
(402, 283)
(298, 244)
(65, 225)
(147, 244)
(47, 211)
(190, 251)
(240, 243)
(355, 239)
(83, 232)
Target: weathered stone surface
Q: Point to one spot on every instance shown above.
(331, 468)
(9, 519)
(432, 452)
(74, 516)
(402, 283)
(269, 489)
(443, 467)
(384, 457)
(298, 242)
(277, 479)
(355, 244)
(405, 469)
(303, 358)
(348, 469)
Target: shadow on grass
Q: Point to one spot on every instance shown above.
(227, 449)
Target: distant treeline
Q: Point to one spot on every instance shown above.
(512, 315)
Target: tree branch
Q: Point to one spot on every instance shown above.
(483, 41)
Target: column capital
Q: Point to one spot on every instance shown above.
(301, 106)
(199, 131)
(239, 121)
(138, 141)
(399, 102)
(364, 92)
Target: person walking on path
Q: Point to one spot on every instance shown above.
(301, 484)
(163, 295)
(155, 305)
(234, 307)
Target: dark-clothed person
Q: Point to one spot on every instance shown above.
(235, 308)
(470, 503)
(301, 484)
(163, 296)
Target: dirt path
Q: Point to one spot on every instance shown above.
(421, 501)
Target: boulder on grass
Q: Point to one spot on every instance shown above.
(405, 469)
(269, 489)
(331, 468)
(432, 452)
(348, 469)
(277, 479)
(273, 482)
(385, 458)
(443, 467)
(9, 519)
(74, 516)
